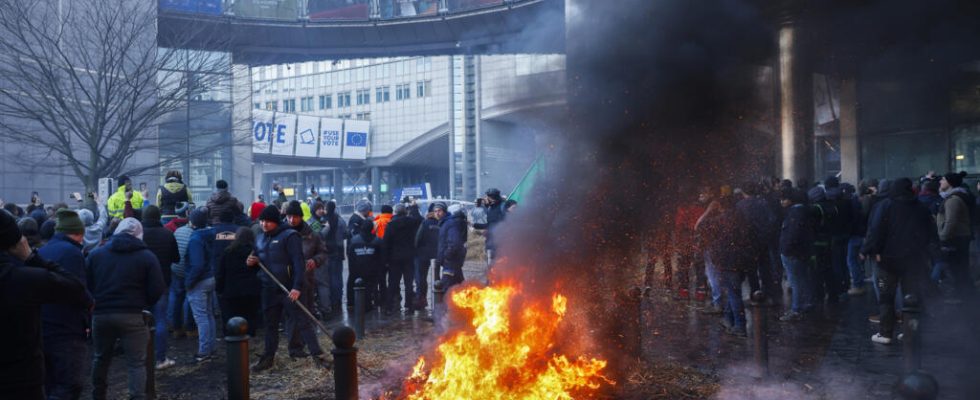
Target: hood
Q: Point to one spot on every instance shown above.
(220, 196)
(130, 226)
(816, 194)
(884, 188)
(125, 243)
(87, 217)
(952, 191)
(173, 187)
(834, 193)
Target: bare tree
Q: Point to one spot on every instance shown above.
(86, 81)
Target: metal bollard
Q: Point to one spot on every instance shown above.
(151, 384)
(359, 307)
(236, 341)
(760, 334)
(911, 338)
(344, 363)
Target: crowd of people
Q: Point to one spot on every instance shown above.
(914, 237)
(73, 278)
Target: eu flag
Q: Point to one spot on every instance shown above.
(357, 139)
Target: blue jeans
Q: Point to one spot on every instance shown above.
(854, 264)
(160, 336)
(797, 273)
(201, 297)
(731, 287)
(711, 271)
(178, 310)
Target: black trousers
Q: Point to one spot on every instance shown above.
(401, 272)
(909, 272)
(241, 306)
(275, 305)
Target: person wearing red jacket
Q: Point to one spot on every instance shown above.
(256, 209)
(688, 249)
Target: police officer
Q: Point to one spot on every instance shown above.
(280, 249)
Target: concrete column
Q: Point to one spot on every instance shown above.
(375, 186)
(795, 105)
(850, 145)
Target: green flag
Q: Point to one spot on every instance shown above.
(526, 184)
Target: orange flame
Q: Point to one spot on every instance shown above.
(499, 361)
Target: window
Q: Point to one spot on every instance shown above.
(344, 116)
(343, 99)
(401, 68)
(289, 105)
(257, 106)
(363, 96)
(403, 92)
(271, 105)
(362, 74)
(306, 104)
(382, 94)
(365, 116)
(326, 102)
(423, 88)
(423, 64)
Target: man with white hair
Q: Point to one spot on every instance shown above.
(124, 278)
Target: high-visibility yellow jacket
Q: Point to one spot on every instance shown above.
(117, 202)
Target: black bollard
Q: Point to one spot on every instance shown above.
(911, 338)
(344, 363)
(236, 341)
(918, 386)
(151, 385)
(759, 333)
(359, 307)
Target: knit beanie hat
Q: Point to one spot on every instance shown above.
(122, 180)
(9, 232)
(130, 226)
(221, 184)
(199, 217)
(439, 204)
(270, 213)
(68, 221)
(151, 214)
(294, 208)
(87, 217)
(46, 231)
(386, 209)
(364, 206)
(955, 179)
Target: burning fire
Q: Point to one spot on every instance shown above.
(506, 355)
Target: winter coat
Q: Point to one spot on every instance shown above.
(93, 228)
(117, 202)
(123, 276)
(233, 278)
(901, 227)
(65, 320)
(727, 238)
(162, 244)
(183, 237)
(953, 218)
(479, 217)
(281, 251)
(334, 236)
(400, 238)
(313, 246)
(381, 224)
(755, 211)
(176, 223)
(427, 239)
(495, 215)
(200, 257)
(220, 201)
(354, 225)
(451, 252)
(796, 235)
(931, 200)
(169, 195)
(24, 288)
(366, 255)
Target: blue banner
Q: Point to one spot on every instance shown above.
(420, 191)
(210, 7)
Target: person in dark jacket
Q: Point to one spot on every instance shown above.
(64, 326)
(754, 211)
(220, 201)
(162, 244)
(280, 250)
(238, 286)
(795, 249)
(825, 214)
(727, 236)
(124, 278)
(333, 236)
(362, 212)
(840, 234)
(452, 246)
(367, 260)
(28, 282)
(400, 249)
(427, 247)
(954, 222)
(199, 281)
(172, 193)
(496, 212)
(855, 266)
(901, 237)
(314, 256)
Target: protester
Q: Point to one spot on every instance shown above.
(314, 256)
(400, 250)
(280, 250)
(495, 215)
(238, 286)
(220, 201)
(179, 314)
(28, 228)
(183, 210)
(124, 278)
(117, 202)
(953, 220)
(427, 247)
(224, 235)
(382, 220)
(162, 244)
(451, 252)
(199, 281)
(690, 256)
(796, 249)
(64, 326)
(362, 212)
(900, 236)
(172, 193)
(333, 275)
(28, 282)
(478, 216)
(367, 261)
(256, 208)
